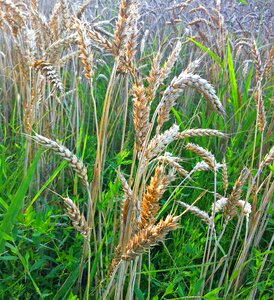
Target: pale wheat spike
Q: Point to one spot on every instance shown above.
(17, 14)
(121, 30)
(82, 8)
(86, 55)
(219, 205)
(127, 58)
(170, 62)
(225, 175)
(205, 154)
(175, 89)
(75, 163)
(54, 20)
(257, 59)
(153, 78)
(141, 111)
(125, 186)
(222, 202)
(115, 260)
(149, 237)
(234, 197)
(161, 141)
(150, 203)
(201, 85)
(60, 44)
(127, 199)
(181, 6)
(203, 166)
(78, 220)
(50, 73)
(172, 161)
(245, 207)
(197, 212)
(258, 97)
(269, 64)
(199, 132)
(269, 158)
(100, 40)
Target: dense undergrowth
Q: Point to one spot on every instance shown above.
(123, 173)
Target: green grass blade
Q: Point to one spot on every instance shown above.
(55, 173)
(210, 52)
(233, 82)
(16, 204)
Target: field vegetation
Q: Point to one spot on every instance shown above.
(136, 149)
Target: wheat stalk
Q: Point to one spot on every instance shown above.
(225, 176)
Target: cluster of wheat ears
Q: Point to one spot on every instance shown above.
(46, 46)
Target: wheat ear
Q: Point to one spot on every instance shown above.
(78, 220)
(205, 154)
(234, 197)
(199, 132)
(86, 55)
(48, 70)
(75, 163)
(153, 78)
(160, 141)
(140, 114)
(172, 162)
(197, 212)
(149, 237)
(154, 192)
(175, 89)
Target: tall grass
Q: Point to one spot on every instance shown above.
(156, 131)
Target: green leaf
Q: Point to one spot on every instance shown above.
(206, 50)
(233, 82)
(212, 295)
(139, 294)
(17, 202)
(65, 288)
(55, 173)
